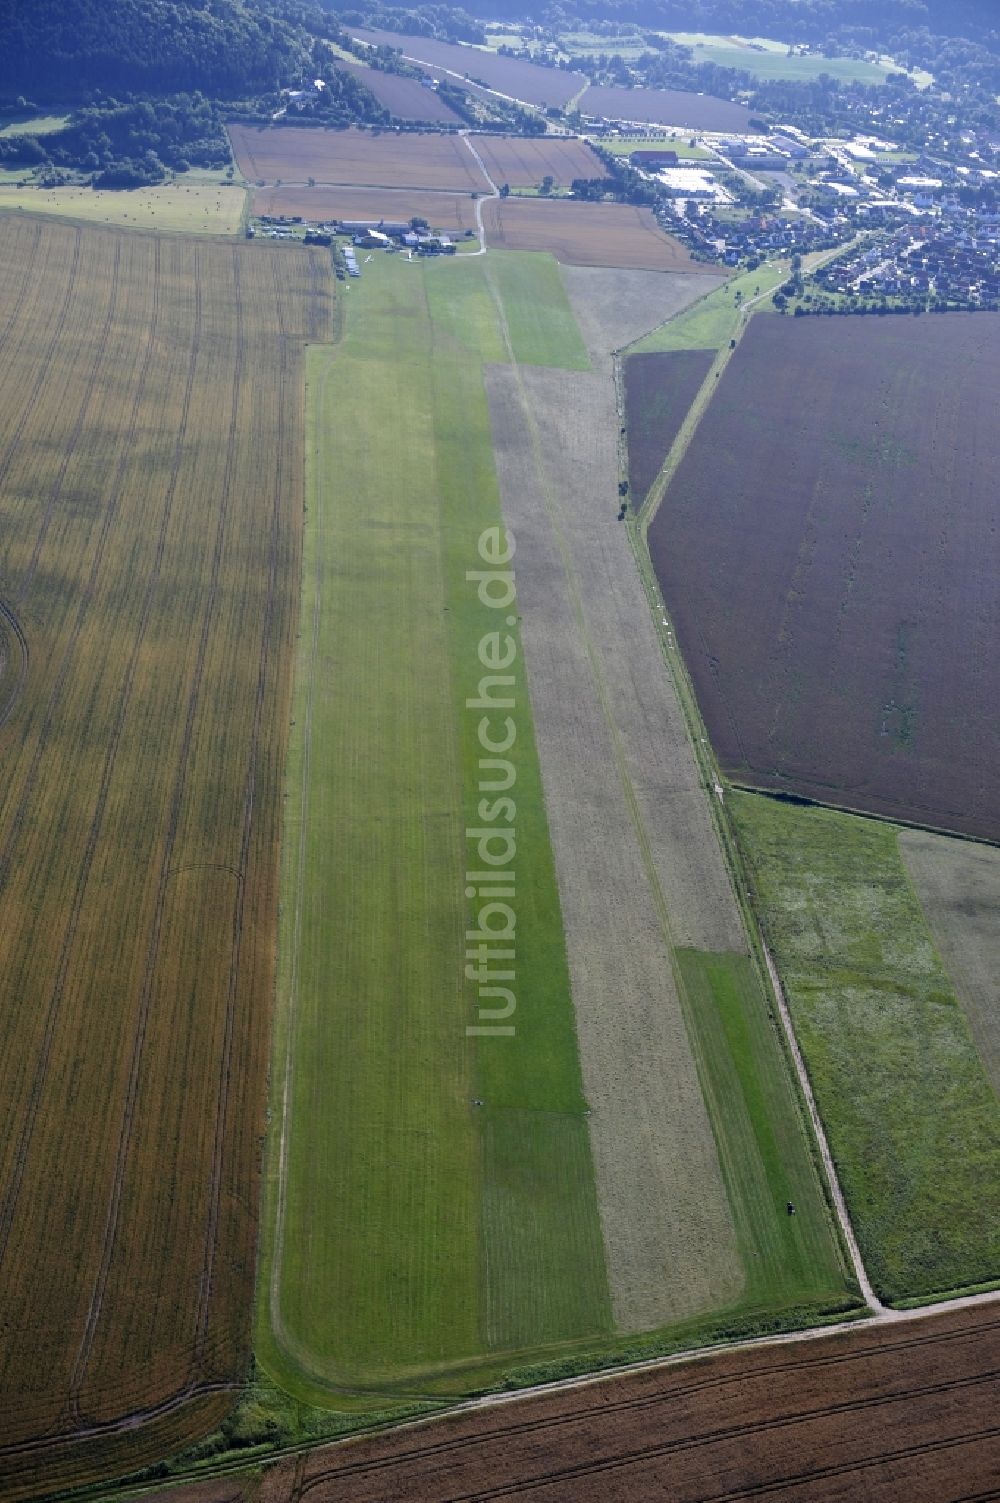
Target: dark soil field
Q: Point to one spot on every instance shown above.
(151, 413)
(355, 158)
(583, 234)
(529, 82)
(522, 161)
(828, 549)
(453, 213)
(659, 389)
(902, 1413)
(664, 107)
(406, 98)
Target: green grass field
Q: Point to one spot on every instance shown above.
(417, 1230)
(913, 1122)
(34, 125)
(769, 59)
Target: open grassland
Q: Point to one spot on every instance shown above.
(530, 82)
(35, 125)
(770, 60)
(433, 1198)
(659, 389)
(663, 107)
(355, 158)
(405, 98)
(150, 498)
(453, 213)
(913, 1122)
(958, 885)
(185, 208)
(584, 234)
(523, 161)
(839, 626)
(904, 1411)
(693, 1219)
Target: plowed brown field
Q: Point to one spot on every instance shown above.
(356, 158)
(659, 389)
(583, 234)
(523, 161)
(150, 510)
(828, 548)
(900, 1413)
(405, 98)
(452, 212)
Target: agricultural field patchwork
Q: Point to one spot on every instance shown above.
(586, 234)
(837, 502)
(270, 155)
(910, 1112)
(151, 502)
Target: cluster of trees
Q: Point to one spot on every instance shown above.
(226, 48)
(449, 23)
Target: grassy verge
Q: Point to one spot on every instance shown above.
(913, 1124)
(714, 319)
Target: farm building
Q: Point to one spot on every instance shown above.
(363, 226)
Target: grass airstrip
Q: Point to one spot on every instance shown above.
(432, 1213)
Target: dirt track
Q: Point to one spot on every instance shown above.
(898, 1412)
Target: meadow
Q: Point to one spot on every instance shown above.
(151, 392)
(170, 208)
(770, 60)
(910, 1113)
(822, 618)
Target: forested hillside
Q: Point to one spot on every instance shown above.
(221, 47)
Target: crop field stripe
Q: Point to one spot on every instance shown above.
(42, 376)
(9, 1205)
(97, 1297)
(90, 392)
(603, 1406)
(25, 258)
(168, 849)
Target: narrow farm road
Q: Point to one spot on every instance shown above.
(494, 193)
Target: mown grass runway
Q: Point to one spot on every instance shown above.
(433, 1214)
(414, 1229)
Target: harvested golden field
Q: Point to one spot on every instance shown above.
(584, 234)
(452, 212)
(523, 161)
(355, 158)
(150, 516)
